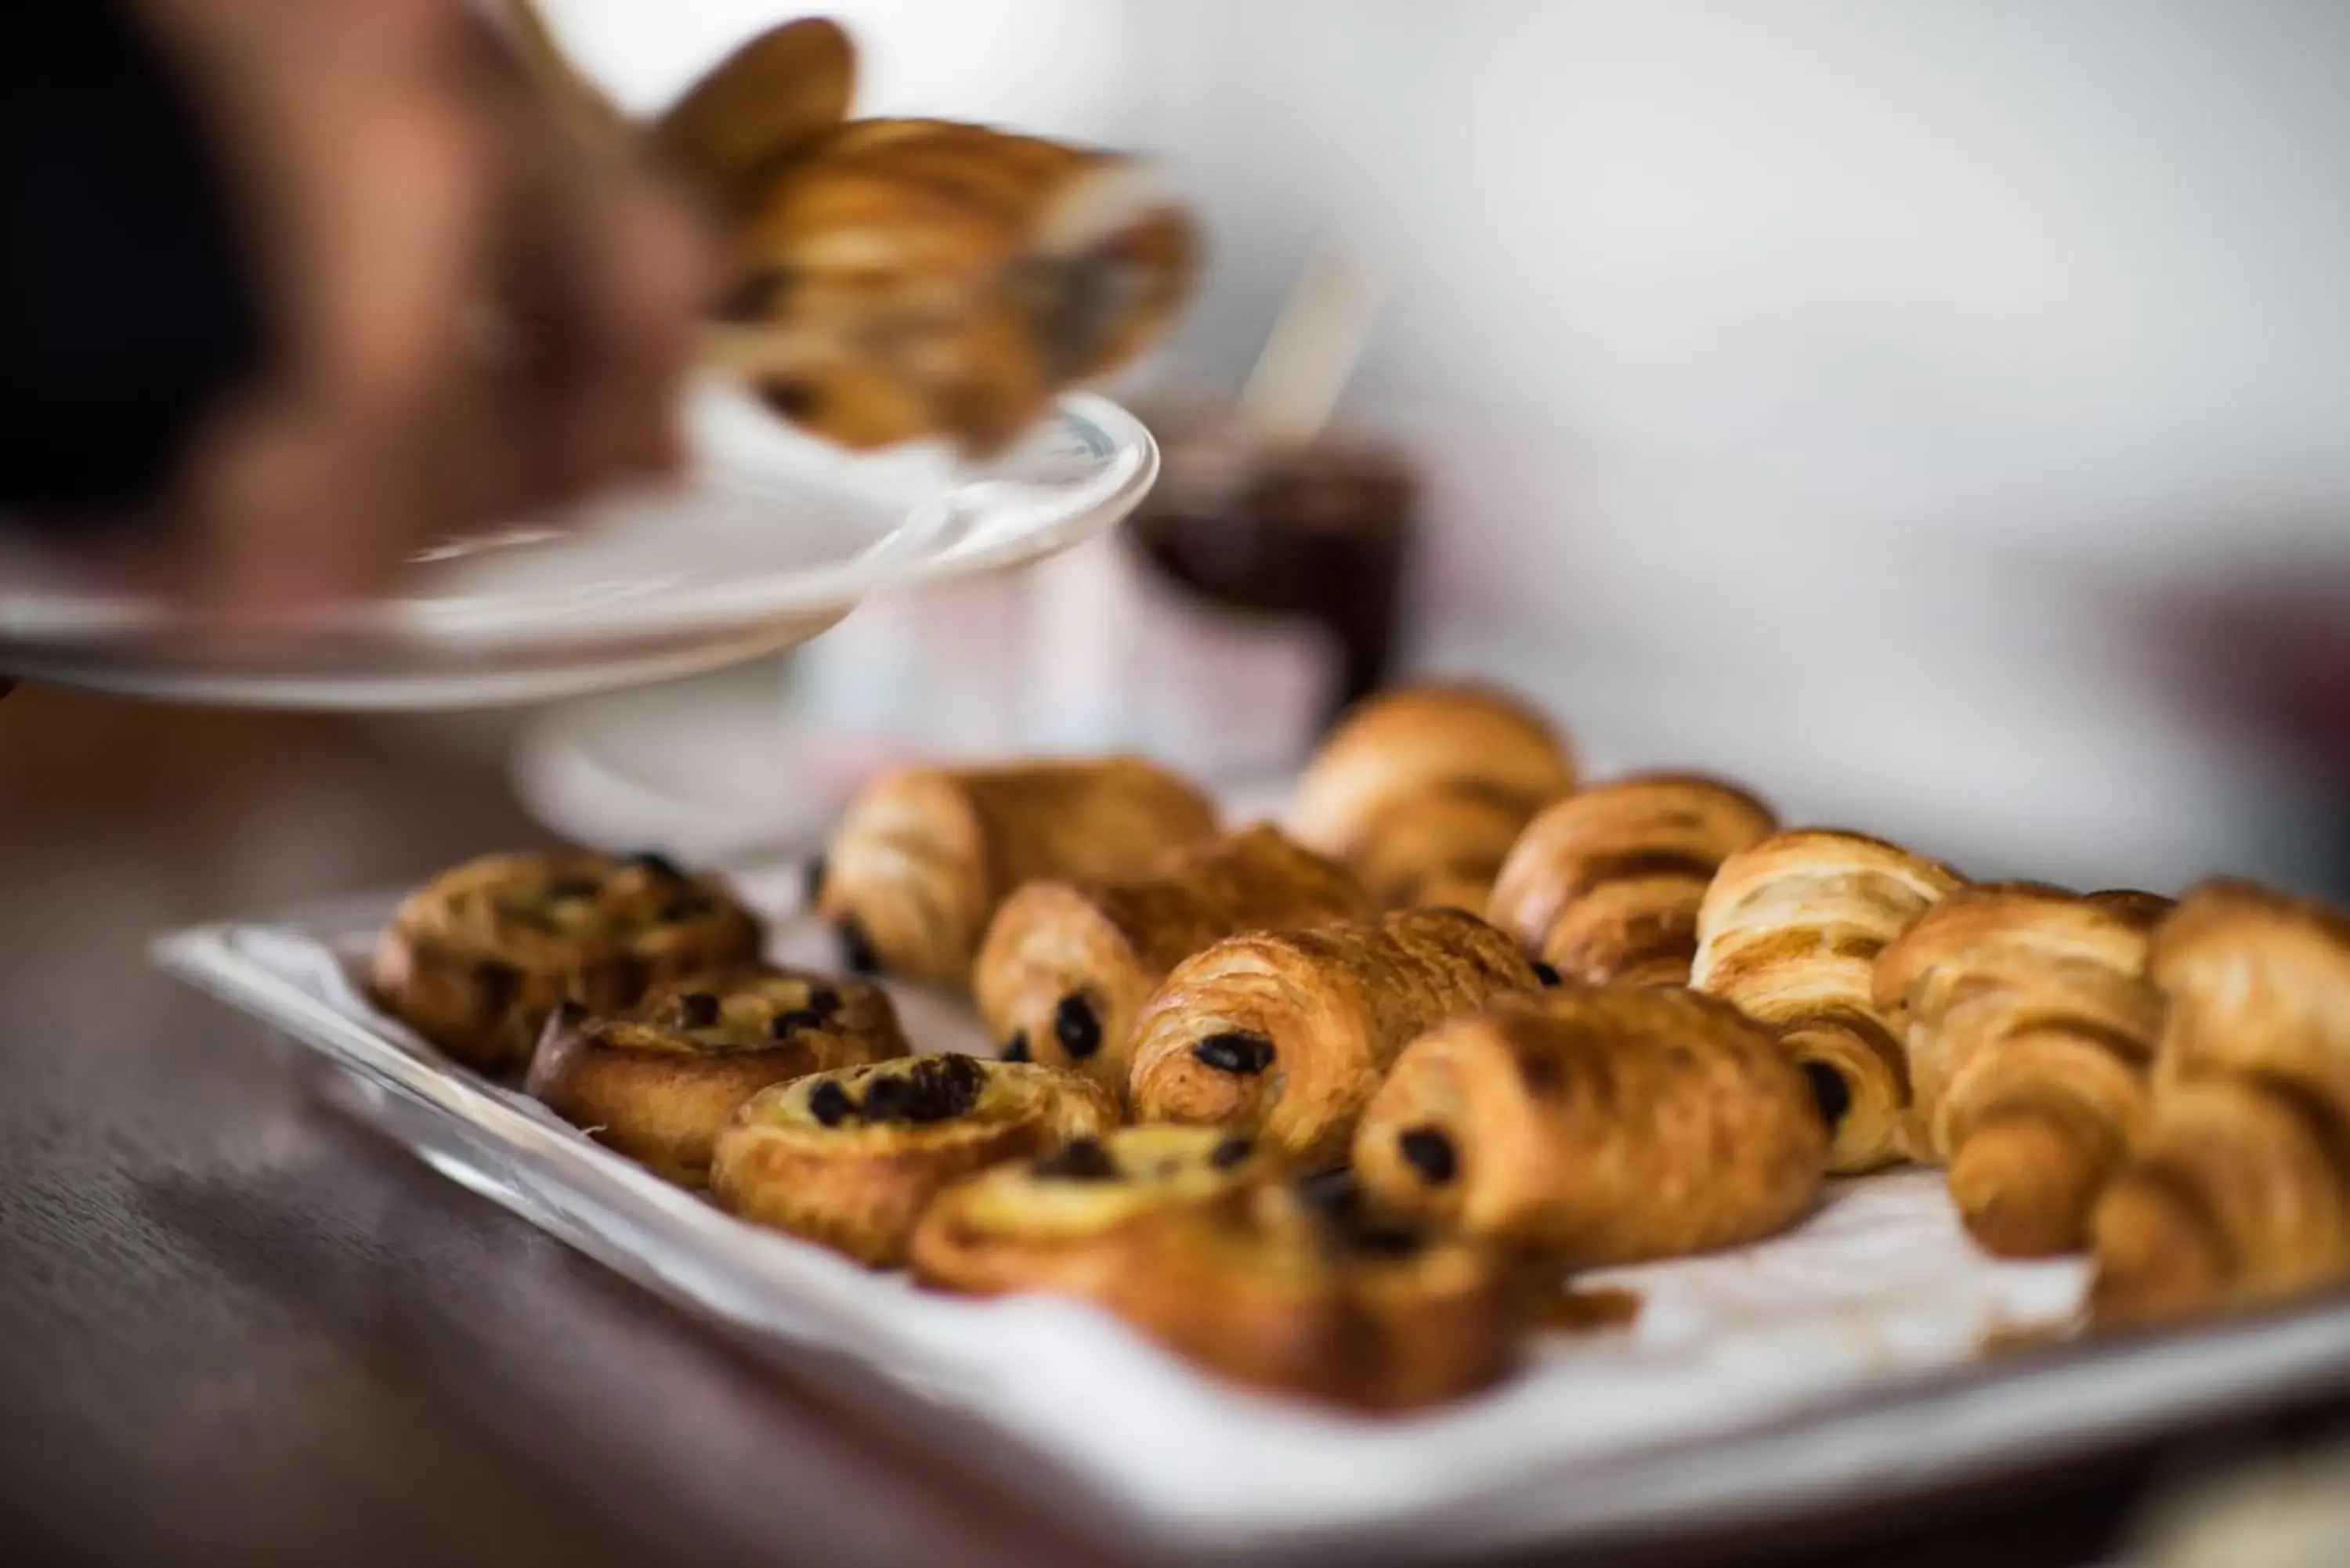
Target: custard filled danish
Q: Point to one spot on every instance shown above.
(1286, 1033)
(1790, 930)
(477, 959)
(851, 1157)
(1423, 790)
(1605, 884)
(924, 855)
(2240, 1191)
(1067, 965)
(657, 1081)
(1058, 1224)
(2029, 1025)
(1596, 1126)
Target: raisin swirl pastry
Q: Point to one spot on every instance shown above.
(1299, 1297)
(924, 855)
(477, 959)
(851, 1157)
(1593, 1126)
(1286, 1033)
(2030, 1026)
(1423, 790)
(1605, 884)
(657, 1081)
(2239, 1194)
(1790, 930)
(1066, 966)
(1058, 1224)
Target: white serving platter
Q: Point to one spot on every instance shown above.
(1846, 1363)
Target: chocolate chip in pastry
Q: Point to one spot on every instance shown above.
(477, 959)
(1066, 966)
(1423, 790)
(1790, 930)
(1605, 884)
(924, 855)
(852, 1157)
(2239, 1194)
(1593, 1125)
(1286, 1033)
(2030, 1027)
(1058, 1222)
(657, 1081)
(1282, 1294)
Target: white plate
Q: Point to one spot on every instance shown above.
(1835, 1367)
(772, 538)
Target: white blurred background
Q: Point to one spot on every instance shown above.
(1831, 392)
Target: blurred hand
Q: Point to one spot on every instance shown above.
(476, 310)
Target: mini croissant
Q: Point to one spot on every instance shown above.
(2239, 1194)
(1605, 884)
(1286, 1033)
(1423, 791)
(1790, 930)
(2030, 1027)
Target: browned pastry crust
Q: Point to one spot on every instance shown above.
(657, 1082)
(1423, 790)
(1790, 930)
(1060, 1224)
(2240, 1193)
(2030, 1027)
(478, 958)
(1286, 1033)
(924, 855)
(1593, 1125)
(1605, 884)
(1066, 966)
(852, 1157)
(1279, 1294)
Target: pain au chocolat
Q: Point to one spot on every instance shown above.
(1067, 965)
(477, 959)
(924, 856)
(657, 1081)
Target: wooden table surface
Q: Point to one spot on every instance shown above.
(235, 1328)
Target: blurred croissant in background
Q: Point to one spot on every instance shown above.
(890, 279)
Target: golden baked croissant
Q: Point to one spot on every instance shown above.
(1423, 790)
(657, 1081)
(1067, 965)
(852, 1157)
(1286, 1033)
(2239, 1192)
(2029, 1025)
(924, 855)
(1605, 884)
(476, 959)
(1790, 930)
(887, 279)
(1060, 1224)
(1297, 1298)
(1593, 1125)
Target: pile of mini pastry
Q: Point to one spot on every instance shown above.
(1281, 1101)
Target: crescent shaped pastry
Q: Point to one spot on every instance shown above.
(1066, 966)
(1790, 930)
(919, 865)
(1285, 1035)
(2030, 1026)
(1596, 1126)
(1423, 790)
(852, 1157)
(477, 959)
(1605, 884)
(1061, 1222)
(657, 1082)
